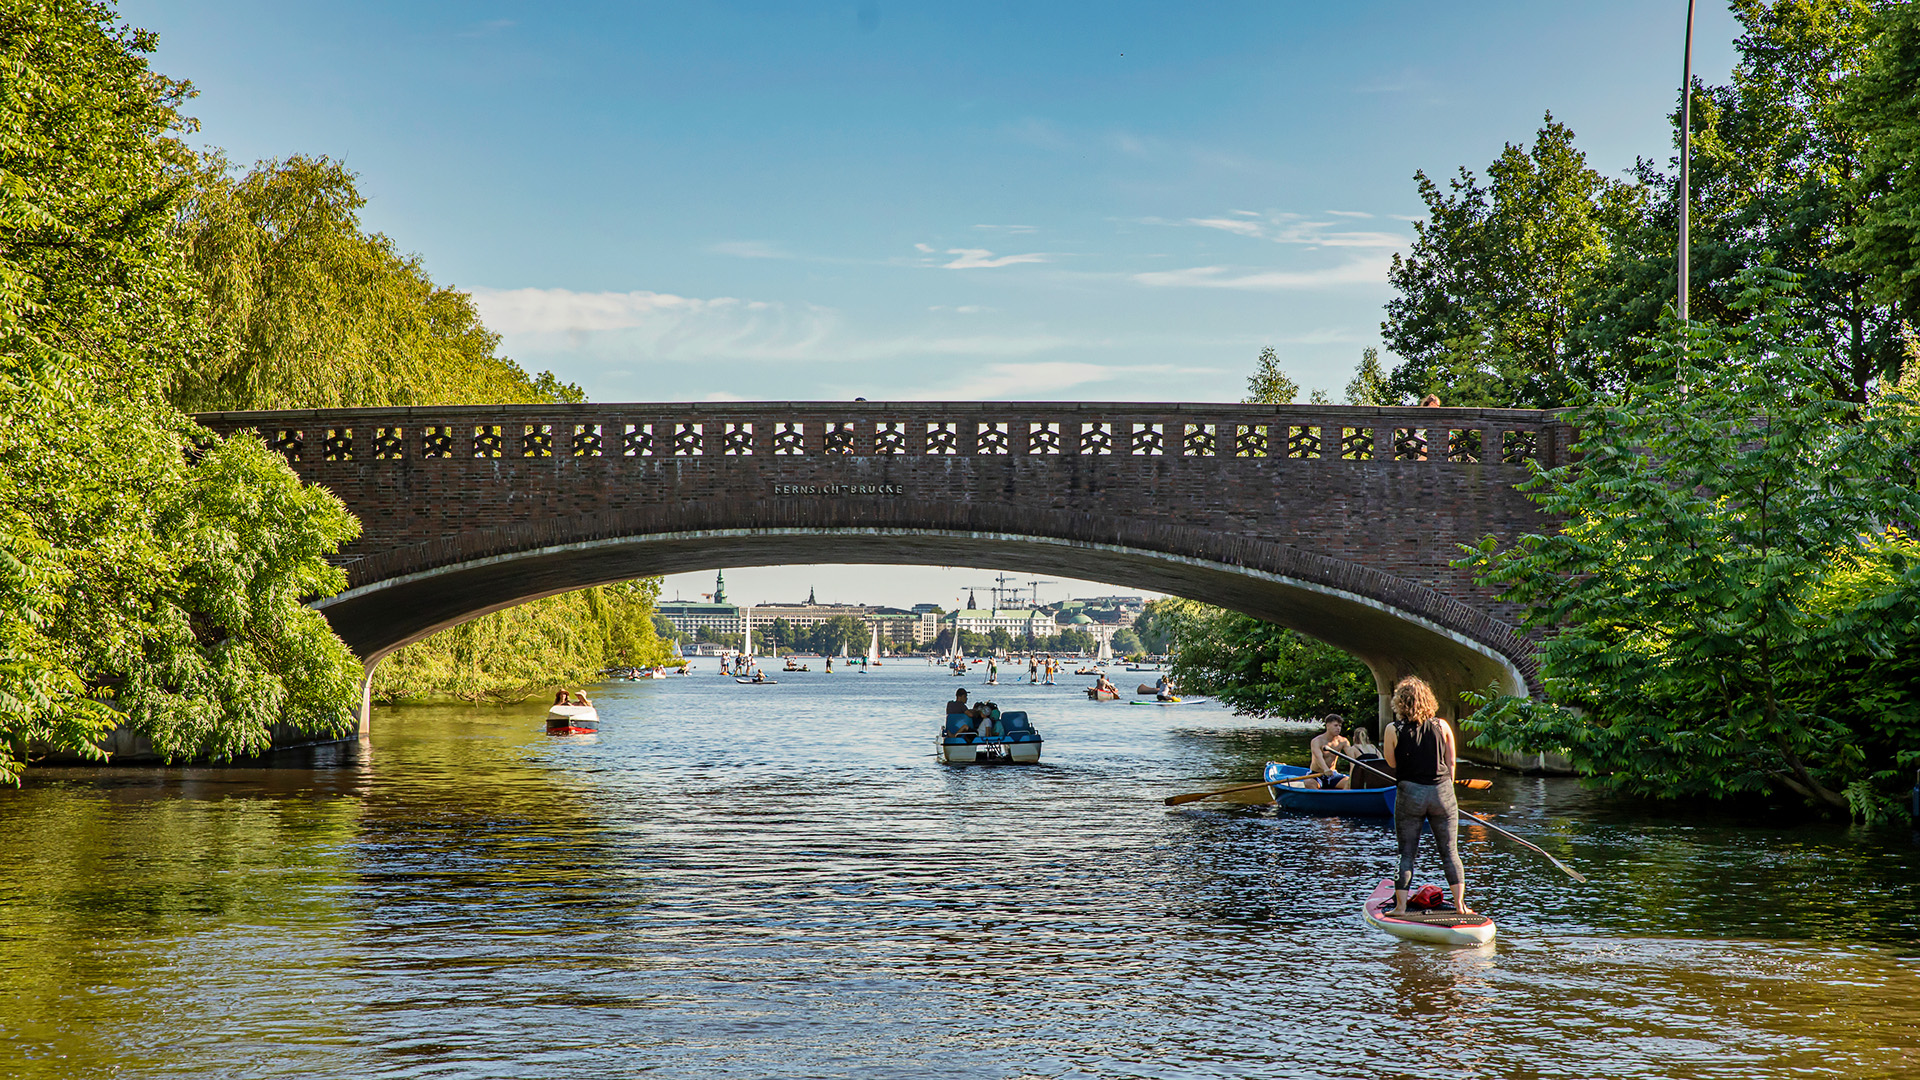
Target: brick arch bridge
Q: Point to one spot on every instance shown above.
(1335, 521)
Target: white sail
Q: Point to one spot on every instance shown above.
(1106, 648)
(748, 641)
(873, 646)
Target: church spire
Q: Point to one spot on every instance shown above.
(810, 599)
(720, 587)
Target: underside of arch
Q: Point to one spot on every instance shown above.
(1396, 627)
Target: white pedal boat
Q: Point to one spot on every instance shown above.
(572, 720)
(1018, 743)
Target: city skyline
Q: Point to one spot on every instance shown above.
(880, 586)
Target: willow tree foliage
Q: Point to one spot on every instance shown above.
(1261, 669)
(527, 650)
(149, 575)
(315, 312)
(1729, 605)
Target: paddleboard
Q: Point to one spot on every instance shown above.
(1439, 927)
(1185, 701)
(757, 682)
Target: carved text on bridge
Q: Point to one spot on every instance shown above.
(878, 491)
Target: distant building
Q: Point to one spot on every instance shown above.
(693, 616)
(1021, 623)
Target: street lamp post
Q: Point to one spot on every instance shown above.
(1686, 154)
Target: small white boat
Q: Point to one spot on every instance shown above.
(1441, 926)
(572, 720)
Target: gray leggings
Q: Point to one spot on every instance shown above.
(1415, 803)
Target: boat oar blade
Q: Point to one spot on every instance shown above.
(1178, 800)
(1476, 785)
(1563, 867)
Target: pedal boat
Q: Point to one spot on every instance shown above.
(1094, 693)
(1017, 744)
(1352, 802)
(573, 720)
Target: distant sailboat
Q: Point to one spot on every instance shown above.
(873, 648)
(1106, 649)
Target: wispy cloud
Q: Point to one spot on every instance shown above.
(1037, 378)
(982, 259)
(1367, 271)
(750, 249)
(657, 326)
(1289, 228)
(975, 258)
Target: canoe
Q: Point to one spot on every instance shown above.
(1143, 688)
(1103, 695)
(1364, 802)
(756, 682)
(1439, 927)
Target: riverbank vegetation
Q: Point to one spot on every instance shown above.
(151, 574)
(1733, 607)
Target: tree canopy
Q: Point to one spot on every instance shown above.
(150, 574)
(1727, 608)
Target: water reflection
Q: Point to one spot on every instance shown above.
(784, 883)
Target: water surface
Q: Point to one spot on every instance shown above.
(779, 881)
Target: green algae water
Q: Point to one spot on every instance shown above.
(780, 881)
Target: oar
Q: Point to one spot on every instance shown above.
(1178, 800)
(1477, 784)
(1563, 867)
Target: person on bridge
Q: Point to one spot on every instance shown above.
(1420, 749)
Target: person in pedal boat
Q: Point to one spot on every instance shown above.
(987, 717)
(1325, 765)
(1419, 747)
(959, 702)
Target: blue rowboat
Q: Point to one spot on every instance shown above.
(1365, 802)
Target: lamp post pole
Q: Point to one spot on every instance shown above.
(1686, 155)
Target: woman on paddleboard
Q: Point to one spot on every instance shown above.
(1419, 748)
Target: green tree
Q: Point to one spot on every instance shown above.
(1486, 300)
(1371, 384)
(150, 575)
(314, 312)
(1878, 102)
(1127, 643)
(1269, 385)
(1261, 669)
(1780, 178)
(1728, 610)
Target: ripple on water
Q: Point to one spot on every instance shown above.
(781, 882)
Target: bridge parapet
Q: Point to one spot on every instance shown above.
(966, 429)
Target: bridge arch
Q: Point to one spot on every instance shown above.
(1340, 522)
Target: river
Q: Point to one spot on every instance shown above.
(779, 881)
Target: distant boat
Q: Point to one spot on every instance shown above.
(873, 647)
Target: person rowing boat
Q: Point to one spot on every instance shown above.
(1326, 774)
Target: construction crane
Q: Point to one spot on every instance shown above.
(1034, 587)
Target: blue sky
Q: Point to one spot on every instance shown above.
(1009, 201)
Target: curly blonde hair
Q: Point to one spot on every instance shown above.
(1413, 700)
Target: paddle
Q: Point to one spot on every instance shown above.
(1479, 784)
(1179, 800)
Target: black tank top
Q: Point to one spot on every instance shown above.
(1417, 752)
